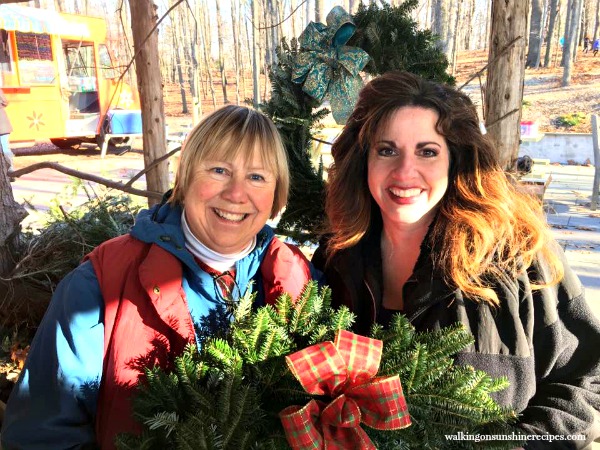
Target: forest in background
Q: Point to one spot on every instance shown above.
(206, 46)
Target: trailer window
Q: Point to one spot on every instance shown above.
(36, 65)
(106, 63)
(6, 60)
(81, 66)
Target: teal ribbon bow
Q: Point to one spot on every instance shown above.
(327, 67)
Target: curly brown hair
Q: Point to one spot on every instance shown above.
(485, 226)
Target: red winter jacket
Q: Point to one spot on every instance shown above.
(147, 321)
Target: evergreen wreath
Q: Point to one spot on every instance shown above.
(390, 37)
(229, 394)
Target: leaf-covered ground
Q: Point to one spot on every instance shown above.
(545, 100)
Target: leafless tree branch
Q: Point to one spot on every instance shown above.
(86, 176)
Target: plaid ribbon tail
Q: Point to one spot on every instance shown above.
(337, 438)
(340, 420)
(300, 426)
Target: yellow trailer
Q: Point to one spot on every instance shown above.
(59, 79)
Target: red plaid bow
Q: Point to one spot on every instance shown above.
(345, 371)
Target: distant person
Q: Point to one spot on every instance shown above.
(586, 44)
(561, 42)
(596, 46)
(5, 129)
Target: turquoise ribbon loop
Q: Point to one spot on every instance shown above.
(326, 67)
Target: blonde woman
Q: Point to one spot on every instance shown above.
(139, 299)
(424, 221)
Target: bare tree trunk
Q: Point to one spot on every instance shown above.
(255, 53)
(59, 5)
(175, 34)
(535, 35)
(319, 16)
(197, 78)
(277, 31)
(151, 93)
(488, 22)
(427, 14)
(294, 18)
(578, 28)
(553, 12)
(205, 27)
(266, 27)
(186, 21)
(545, 9)
(352, 6)
(221, 51)
(180, 79)
(266, 53)
(597, 21)
(504, 87)
(583, 24)
(570, 42)
(559, 33)
(247, 51)
(568, 23)
(235, 25)
(455, 39)
(443, 25)
(437, 17)
(469, 24)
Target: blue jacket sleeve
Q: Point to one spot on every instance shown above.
(53, 405)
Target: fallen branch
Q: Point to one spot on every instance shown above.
(86, 176)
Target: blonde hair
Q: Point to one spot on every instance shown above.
(485, 227)
(227, 133)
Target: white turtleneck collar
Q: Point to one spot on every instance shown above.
(217, 261)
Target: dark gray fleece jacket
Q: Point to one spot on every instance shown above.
(546, 342)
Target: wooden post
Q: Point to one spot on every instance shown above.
(151, 93)
(596, 185)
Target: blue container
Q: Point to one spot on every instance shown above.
(124, 121)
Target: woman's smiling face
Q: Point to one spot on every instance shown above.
(228, 202)
(408, 167)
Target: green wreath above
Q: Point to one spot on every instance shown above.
(326, 64)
